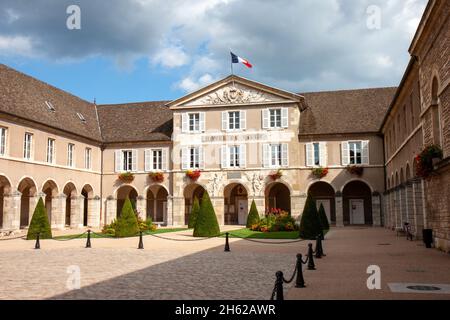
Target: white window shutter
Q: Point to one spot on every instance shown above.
(134, 155)
(242, 155)
(185, 158)
(284, 155)
(284, 118)
(148, 159)
(119, 160)
(265, 118)
(165, 151)
(243, 119)
(323, 154)
(266, 155)
(224, 120)
(345, 153)
(224, 156)
(365, 152)
(202, 121)
(184, 122)
(201, 157)
(309, 155)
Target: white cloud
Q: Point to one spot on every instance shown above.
(171, 57)
(190, 83)
(15, 45)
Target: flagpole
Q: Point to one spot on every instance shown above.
(231, 65)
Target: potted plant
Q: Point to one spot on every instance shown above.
(319, 172)
(156, 176)
(357, 170)
(126, 177)
(276, 175)
(193, 174)
(426, 160)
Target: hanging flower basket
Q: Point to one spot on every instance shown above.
(156, 176)
(276, 175)
(193, 174)
(424, 160)
(319, 172)
(356, 170)
(126, 177)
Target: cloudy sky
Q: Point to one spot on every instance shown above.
(137, 50)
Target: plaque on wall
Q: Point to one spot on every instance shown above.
(234, 175)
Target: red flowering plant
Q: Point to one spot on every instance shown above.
(357, 170)
(276, 175)
(193, 174)
(126, 177)
(424, 160)
(276, 219)
(319, 172)
(156, 176)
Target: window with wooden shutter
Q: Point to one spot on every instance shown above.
(266, 155)
(201, 158)
(148, 160)
(242, 155)
(284, 118)
(243, 119)
(134, 162)
(265, 118)
(284, 155)
(309, 155)
(224, 120)
(165, 152)
(365, 152)
(323, 154)
(224, 156)
(344, 153)
(184, 122)
(202, 121)
(185, 158)
(119, 160)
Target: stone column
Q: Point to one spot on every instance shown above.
(11, 211)
(398, 216)
(339, 205)
(297, 205)
(260, 203)
(376, 209)
(169, 215)
(219, 205)
(76, 211)
(403, 201)
(58, 211)
(94, 213)
(141, 207)
(178, 211)
(418, 207)
(111, 208)
(409, 202)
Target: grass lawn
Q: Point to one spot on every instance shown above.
(247, 233)
(165, 230)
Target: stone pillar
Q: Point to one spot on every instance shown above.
(58, 211)
(178, 211)
(94, 213)
(418, 207)
(141, 207)
(398, 216)
(76, 211)
(219, 206)
(11, 211)
(169, 215)
(33, 203)
(403, 201)
(111, 208)
(297, 205)
(409, 203)
(339, 205)
(260, 202)
(376, 209)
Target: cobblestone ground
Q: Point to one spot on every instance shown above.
(116, 269)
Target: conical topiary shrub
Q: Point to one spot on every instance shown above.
(253, 215)
(310, 226)
(39, 223)
(194, 213)
(206, 224)
(323, 218)
(127, 224)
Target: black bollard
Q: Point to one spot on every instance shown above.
(227, 244)
(279, 285)
(141, 243)
(318, 247)
(311, 265)
(88, 241)
(299, 281)
(37, 245)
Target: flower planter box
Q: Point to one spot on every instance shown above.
(126, 177)
(156, 176)
(193, 174)
(427, 159)
(276, 175)
(356, 170)
(319, 173)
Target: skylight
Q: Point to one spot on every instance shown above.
(81, 117)
(50, 106)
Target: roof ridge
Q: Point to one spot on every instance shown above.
(348, 90)
(130, 103)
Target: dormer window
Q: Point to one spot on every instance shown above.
(50, 106)
(81, 117)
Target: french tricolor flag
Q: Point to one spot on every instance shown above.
(237, 59)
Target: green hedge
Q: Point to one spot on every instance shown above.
(323, 218)
(206, 224)
(310, 226)
(194, 213)
(39, 223)
(253, 216)
(127, 224)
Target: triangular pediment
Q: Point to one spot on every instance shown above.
(234, 90)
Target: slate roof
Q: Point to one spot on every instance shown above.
(345, 111)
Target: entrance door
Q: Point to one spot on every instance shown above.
(326, 205)
(357, 211)
(242, 211)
